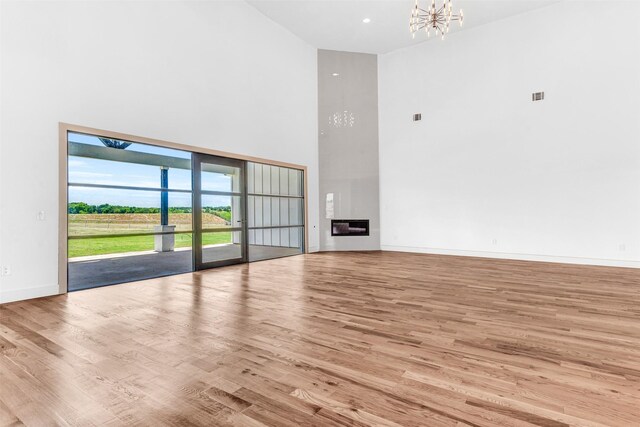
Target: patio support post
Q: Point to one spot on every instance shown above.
(164, 242)
(164, 196)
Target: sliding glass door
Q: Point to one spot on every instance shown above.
(275, 208)
(219, 211)
(128, 213)
(137, 211)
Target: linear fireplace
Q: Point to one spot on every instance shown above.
(349, 227)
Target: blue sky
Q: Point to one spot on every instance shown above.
(95, 171)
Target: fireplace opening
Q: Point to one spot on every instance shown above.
(349, 227)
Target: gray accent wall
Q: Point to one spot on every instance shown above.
(348, 145)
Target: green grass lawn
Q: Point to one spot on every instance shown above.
(116, 245)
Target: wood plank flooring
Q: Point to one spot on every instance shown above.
(357, 339)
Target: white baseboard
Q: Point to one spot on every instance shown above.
(28, 293)
(313, 249)
(516, 256)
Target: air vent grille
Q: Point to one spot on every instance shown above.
(537, 96)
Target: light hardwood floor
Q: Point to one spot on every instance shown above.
(333, 339)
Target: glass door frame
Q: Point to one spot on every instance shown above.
(197, 160)
(63, 180)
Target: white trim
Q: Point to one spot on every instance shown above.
(29, 293)
(516, 256)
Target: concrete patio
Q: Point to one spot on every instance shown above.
(91, 272)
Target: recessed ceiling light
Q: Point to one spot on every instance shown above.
(335, 74)
(366, 20)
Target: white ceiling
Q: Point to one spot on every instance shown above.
(337, 24)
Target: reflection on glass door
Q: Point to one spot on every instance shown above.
(218, 211)
(275, 211)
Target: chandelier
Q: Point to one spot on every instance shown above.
(436, 19)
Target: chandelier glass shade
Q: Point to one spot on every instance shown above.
(434, 19)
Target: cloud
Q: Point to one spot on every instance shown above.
(75, 163)
(77, 174)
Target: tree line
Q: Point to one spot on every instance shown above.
(85, 208)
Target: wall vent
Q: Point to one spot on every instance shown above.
(417, 117)
(537, 96)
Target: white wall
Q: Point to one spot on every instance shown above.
(348, 155)
(211, 74)
(491, 173)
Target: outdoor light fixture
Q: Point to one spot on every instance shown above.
(436, 19)
(114, 143)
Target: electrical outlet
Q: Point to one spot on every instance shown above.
(5, 271)
(622, 247)
(42, 215)
(494, 241)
